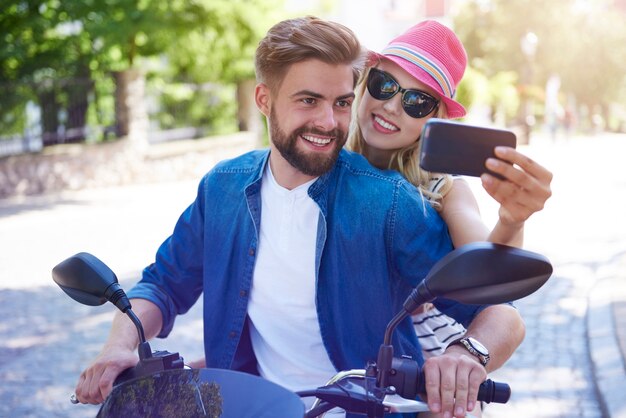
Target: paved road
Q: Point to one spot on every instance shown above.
(46, 338)
(581, 231)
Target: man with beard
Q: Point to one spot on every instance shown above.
(302, 252)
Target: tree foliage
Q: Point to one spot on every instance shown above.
(580, 41)
(223, 45)
(109, 35)
(47, 41)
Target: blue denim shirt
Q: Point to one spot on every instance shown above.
(376, 239)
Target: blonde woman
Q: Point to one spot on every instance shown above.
(412, 80)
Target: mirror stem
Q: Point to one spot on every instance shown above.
(144, 349)
(115, 294)
(421, 294)
(393, 324)
(385, 353)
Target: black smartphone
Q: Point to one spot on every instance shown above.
(457, 148)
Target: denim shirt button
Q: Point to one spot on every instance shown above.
(251, 252)
(232, 334)
(243, 293)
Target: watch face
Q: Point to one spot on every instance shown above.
(478, 346)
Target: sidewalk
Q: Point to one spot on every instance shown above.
(571, 363)
(606, 332)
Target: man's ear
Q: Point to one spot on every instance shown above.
(262, 98)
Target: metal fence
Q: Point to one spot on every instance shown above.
(50, 112)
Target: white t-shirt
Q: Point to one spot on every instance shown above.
(284, 328)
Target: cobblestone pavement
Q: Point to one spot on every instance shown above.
(46, 338)
(568, 324)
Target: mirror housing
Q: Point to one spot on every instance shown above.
(476, 273)
(89, 281)
(482, 273)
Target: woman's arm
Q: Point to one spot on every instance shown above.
(461, 213)
(524, 191)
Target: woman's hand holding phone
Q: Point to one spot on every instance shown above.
(519, 184)
(524, 187)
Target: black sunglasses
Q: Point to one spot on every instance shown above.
(416, 103)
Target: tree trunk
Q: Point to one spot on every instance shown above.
(248, 117)
(131, 117)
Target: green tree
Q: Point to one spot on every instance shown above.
(221, 50)
(201, 41)
(33, 52)
(582, 42)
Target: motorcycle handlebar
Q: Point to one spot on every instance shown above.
(489, 391)
(409, 381)
(359, 393)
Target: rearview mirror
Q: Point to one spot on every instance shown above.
(85, 279)
(483, 273)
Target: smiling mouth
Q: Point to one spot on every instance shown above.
(316, 140)
(384, 124)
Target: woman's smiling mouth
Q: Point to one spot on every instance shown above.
(386, 126)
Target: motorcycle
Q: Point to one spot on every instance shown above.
(160, 385)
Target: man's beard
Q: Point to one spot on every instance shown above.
(309, 163)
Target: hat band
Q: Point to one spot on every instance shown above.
(424, 63)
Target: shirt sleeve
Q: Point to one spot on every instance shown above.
(174, 281)
(441, 183)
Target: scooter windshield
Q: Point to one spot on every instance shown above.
(201, 393)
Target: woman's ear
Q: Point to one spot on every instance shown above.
(262, 98)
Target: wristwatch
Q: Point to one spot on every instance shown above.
(474, 347)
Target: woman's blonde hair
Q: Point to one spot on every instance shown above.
(404, 160)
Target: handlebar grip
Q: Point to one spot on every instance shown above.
(488, 391)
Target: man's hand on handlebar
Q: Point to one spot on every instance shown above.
(452, 382)
(96, 382)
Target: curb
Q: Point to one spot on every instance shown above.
(608, 363)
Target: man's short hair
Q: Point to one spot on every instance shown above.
(296, 40)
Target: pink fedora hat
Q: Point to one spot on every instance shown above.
(431, 53)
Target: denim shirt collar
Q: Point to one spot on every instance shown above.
(316, 191)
